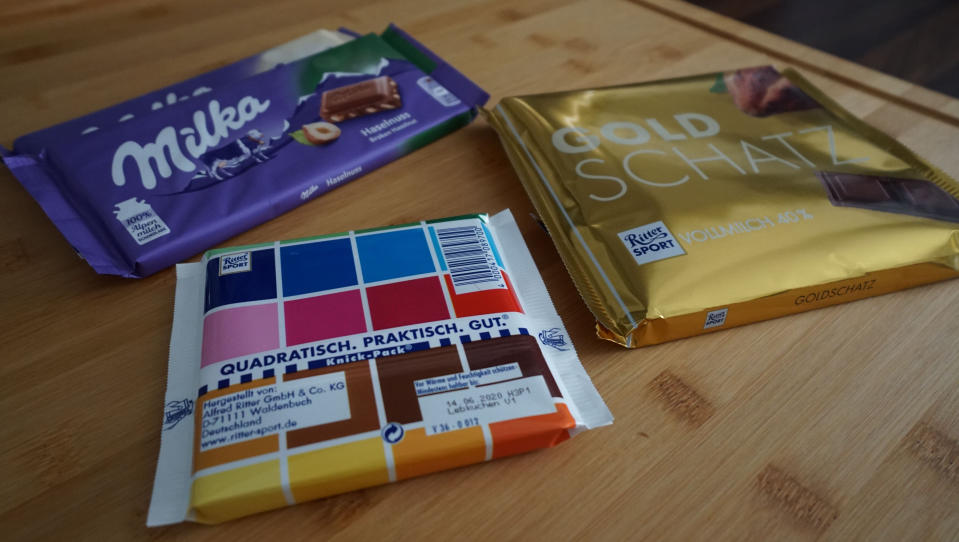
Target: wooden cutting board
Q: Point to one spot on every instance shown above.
(840, 423)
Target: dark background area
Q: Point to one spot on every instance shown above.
(915, 40)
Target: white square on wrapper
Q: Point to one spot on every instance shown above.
(651, 242)
(238, 262)
(715, 318)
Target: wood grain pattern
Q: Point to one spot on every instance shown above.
(837, 424)
(911, 40)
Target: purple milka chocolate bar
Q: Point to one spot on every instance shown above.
(137, 196)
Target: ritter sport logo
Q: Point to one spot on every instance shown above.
(651, 242)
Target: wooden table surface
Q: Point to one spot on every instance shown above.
(841, 423)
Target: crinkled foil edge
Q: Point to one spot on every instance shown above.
(583, 280)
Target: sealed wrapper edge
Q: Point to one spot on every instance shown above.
(175, 495)
(583, 395)
(170, 501)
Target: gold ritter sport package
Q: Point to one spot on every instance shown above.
(691, 205)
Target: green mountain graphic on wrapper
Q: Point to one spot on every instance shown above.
(361, 55)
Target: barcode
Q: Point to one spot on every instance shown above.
(469, 259)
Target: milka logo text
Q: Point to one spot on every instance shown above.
(206, 133)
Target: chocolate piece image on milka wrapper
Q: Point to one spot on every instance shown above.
(359, 99)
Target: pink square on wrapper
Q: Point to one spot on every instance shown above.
(239, 331)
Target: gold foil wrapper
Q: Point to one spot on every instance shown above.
(697, 204)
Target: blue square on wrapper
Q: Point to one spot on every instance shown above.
(394, 254)
(319, 266)
(253, 278)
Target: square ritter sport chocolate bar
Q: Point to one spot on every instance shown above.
(301, 369)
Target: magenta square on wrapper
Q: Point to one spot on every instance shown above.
(324, 317)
